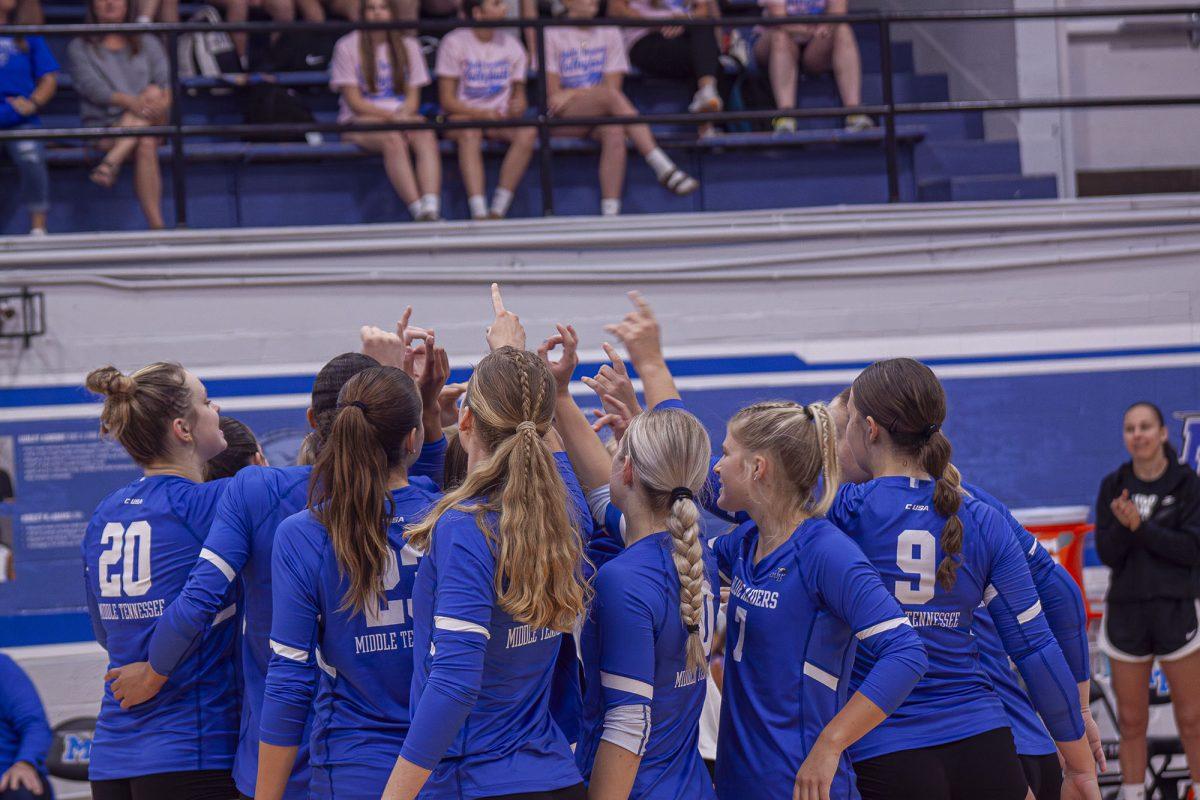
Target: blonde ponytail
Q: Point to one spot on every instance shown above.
(802, 441)
(539, 552)
(669, 450)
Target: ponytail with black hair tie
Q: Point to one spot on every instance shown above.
(361, 406)
(930, 430)
(681, 493)
(692, 628)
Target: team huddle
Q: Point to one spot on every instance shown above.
(468, 593)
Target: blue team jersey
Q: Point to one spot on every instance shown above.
(634, 647)
(358, 665)
(793, 621)
(1069, 628)
(239, 543)
(140, 545)
(893, 520)
(481, 680)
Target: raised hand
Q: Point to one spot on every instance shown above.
(21, 775)
(1126, 512)
(392, 349)
(448, 402)
(506, 328)
(435, 369)
(639, 332)
(614, 380)
(616, 415)
(564, 368)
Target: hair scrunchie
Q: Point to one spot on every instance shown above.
(681, 493)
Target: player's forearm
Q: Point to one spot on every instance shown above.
(274, 768)
(613, 773)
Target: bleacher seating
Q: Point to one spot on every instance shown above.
(232, 183)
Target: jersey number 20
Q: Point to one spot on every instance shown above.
(915, 553)
(129, 547)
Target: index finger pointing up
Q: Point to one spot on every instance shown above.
(639, 301)
(497, 300)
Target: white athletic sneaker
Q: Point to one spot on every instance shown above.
(859, 122)
(784, 124)
(706, 99)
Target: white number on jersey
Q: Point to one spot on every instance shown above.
(915, 553)
(739, 616)
(707, 623)
(129, 547)
(392, 612)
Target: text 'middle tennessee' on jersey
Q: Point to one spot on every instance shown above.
(894, 522)
(641, 696)
(357, 665)
(140, 545)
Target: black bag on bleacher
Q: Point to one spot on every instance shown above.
(300, 51)
(209, 54)
(264, 103)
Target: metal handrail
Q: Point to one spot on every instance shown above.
(888, 110)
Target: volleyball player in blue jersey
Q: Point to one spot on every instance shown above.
(646, 641)
(801, 597)
(1063, 605)
(240, 541)
(139, 547)
(341, 627)
(943, 553)
(501, 580)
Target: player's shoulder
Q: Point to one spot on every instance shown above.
(820, 543)
(303, 527)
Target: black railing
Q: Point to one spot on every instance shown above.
(177, 132)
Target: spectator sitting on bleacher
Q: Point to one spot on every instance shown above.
(27, 82)
(25, 736)
(585, 67)
(379, 75)
(481, 75)
(817, 47)
(673, 51)
(123, 81)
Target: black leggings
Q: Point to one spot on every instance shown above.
(982, 767)
(692, 54)
(201, 784)
(1044, 776)
(576, 792)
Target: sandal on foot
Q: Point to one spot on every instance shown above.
(679, 182)
(105, 174)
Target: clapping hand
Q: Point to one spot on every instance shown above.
(1126, 512)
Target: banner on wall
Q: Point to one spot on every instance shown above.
(53, 473)
(1191, 438)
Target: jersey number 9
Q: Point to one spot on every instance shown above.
(916, 552)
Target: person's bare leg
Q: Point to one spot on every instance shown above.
(469, 143)
(1131, 684)
(280, 11)
(238, 11)
(37, 221)
(1183, 676)
(147, 181)
(612, 160)
(783, 66)
(843, 57)
(396, 163)
(310, 10)
(118, 152)
(429, 160)
(521, 142)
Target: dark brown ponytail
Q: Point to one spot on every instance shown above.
(377, 410)
(907, 400)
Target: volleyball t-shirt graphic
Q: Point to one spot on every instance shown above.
(581, 58)
(486, 71)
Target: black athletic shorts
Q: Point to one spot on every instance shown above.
(201, 784)
(1044, 776)
(1142, 630)
(982, 767)
(576, 792)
